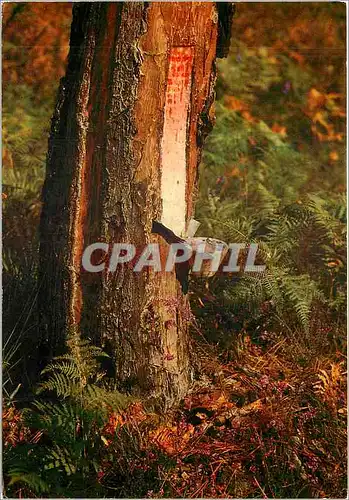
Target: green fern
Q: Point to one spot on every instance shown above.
(303, 247)
(71, 449)
(77, 376)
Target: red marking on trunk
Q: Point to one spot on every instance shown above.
(181, 63)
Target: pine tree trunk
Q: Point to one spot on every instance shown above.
(126, 137)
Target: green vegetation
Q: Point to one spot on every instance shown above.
(67, 449)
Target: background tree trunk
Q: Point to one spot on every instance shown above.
(130, 120)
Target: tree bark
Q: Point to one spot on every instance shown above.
(130, 120)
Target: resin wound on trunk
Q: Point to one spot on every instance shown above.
(174, 139)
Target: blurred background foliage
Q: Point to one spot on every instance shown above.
(273, 170)
(270, 347)
(35, 46)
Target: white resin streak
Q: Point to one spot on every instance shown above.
(173, 146)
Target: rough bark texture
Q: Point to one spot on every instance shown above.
(103, 184)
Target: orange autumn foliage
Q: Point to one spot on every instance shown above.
(36, 39)
(235, 104)
(279, 129)
(323, 109)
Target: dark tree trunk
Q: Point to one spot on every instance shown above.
(125, 143)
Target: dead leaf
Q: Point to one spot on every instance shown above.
(279, 129)
(315, 99)
(333, 156)
(252, 141)
(247, 115)
(235, 104)
(297, 57)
